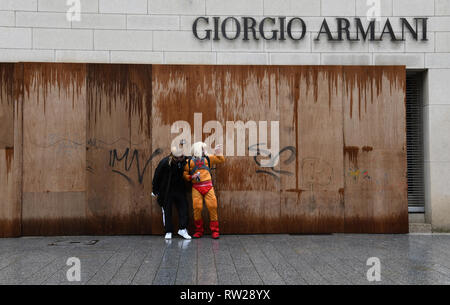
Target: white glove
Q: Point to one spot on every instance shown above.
(218, 150)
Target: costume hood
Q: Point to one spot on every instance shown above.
(198, 149)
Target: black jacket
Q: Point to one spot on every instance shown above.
(168, 179)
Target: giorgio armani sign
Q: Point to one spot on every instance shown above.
(295, 28)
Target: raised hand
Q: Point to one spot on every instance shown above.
(218, 149)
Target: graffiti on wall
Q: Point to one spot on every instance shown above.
(128, 159)
(357, 174)
(288, 152)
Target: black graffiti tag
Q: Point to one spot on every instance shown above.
(291, 150)
(129, 161)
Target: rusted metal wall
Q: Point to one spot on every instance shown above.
(330, 118)
(10, 151)
(54, 150)
(312, 195)
(375, 150)
(93, 134)
(119, 149)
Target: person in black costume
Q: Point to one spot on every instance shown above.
(170, 189)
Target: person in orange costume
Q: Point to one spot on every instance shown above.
(197, 170)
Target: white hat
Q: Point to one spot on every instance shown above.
(176, 152)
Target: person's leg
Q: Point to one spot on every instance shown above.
(182, 208)
(197, 203)
(167, 216)
(211, 204)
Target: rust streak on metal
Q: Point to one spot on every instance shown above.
(6, 83)
(352, 152)
(368, 81)
(298, 191)
(332, 74)
(341, 195)
(367, 148)
(41, 78)
(296, 95)
(9, 156)
(108, 84)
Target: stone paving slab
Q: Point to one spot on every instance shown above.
(231, 260)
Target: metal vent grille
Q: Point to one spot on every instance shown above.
(414, 136)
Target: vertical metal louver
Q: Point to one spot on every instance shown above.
(414, 136)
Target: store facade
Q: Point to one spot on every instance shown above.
(361, 106)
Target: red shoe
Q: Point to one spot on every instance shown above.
(214, 226)
(198, 228)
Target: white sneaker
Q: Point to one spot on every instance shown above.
(183, 233)
(168, 236)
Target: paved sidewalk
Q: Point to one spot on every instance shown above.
(244, 259)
